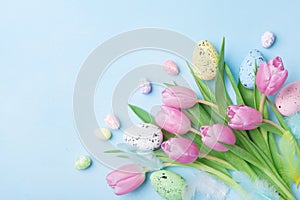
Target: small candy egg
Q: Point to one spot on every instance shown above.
(205, 60)
(112, 122)
(170, 67)
(167, 184)
(103, 133)
(143, 136)
(267, 39)
(247, 68)
(145, 86)
(82, 162)
(287, 100)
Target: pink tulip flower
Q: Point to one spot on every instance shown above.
(126, 178)
(181, 150)
(173, 120)
(271, 76)
(179, 97)
(243, 117)
(213, 134)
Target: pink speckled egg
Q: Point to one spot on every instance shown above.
(287, 100)
(170, 67)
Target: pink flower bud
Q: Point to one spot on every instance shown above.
(243, 117)
(271, 76)
(126, 178)
(112, 122)
(181, 150)
(173, 120)
(213, 134)
(179, 97)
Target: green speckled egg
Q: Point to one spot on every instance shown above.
(167, 184)
(205, 60)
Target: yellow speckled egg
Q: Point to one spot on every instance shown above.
(205, 60)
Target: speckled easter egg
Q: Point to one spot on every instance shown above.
(143, 136)
(287, 100)
(167, 184)
(247, 68)
(205, 60)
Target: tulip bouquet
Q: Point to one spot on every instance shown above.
(229, 137)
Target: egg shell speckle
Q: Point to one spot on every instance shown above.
(287, 100)
(205, 60)
(143, 136)
(167, 184)
(247, 68)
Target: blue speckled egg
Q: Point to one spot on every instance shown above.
(247, 68)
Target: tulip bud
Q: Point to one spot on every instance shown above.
(179, 97)
(173, 120)
(271, 76)
(126, 178)
(181, 150)
(243, 117)
(213, 134)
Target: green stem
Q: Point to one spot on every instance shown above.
(262, 103)
(275, 125)
(228, 165)
(207, 103)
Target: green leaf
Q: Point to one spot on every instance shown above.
(203, 88)
(270, 128)
(113, 151)
(239, 98)
(142, 114)
(122, 156)
(259, 140)
(278, 115)
(248, 95)
(242, 153)
(220, 89)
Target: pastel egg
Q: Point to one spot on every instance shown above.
(267, 39)
(287, 100)
(102, 133)
(82, 162)
(170, 67)
(112, 122)
(247, 68)
(167, 184)
(145, 86)
(205, 60)
(143, 136)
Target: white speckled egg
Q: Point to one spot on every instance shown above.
(145, 86)
(205, 60)
(143, 136)
(287, 100)
(267, 39)
(247, 68)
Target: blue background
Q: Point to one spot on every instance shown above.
(44, 43)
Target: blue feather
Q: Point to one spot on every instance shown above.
(257, 189)
(204, 186)
(293, 123)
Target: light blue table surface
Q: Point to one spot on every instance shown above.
(42, 47)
